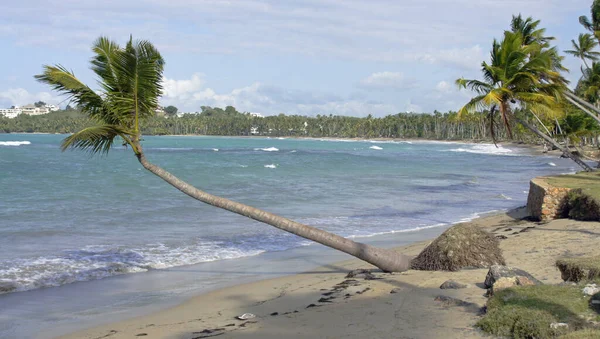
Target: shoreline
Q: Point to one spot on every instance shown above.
(283, 305)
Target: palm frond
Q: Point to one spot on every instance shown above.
(96, 139)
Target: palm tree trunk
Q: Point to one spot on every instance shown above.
(553, 142)
(386, 260)
(580, 103)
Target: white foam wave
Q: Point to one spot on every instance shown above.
(269, 149)
(271, 166)
(14, 143)
(484, 149)
(552, 164)
(215, 149)
(376, 148)
(97, 262)
(294, 151)
(502, 196)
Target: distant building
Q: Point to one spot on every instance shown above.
(10, 112)
(256, 115)
(254, 131)
(32, 110)
(52, 108)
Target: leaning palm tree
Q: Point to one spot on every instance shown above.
(519, 75)
(583, 49)
(130, 85)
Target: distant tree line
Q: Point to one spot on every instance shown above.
(230, 122)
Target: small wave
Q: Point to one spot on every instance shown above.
(243, 166)
(215, 149)
(271, 166)
(502, 196)
(294, 151)
(485, 149)
(269, 149)
(281, 138)
(14, 143)
(97, 262)
(376, 147)
(552, 164)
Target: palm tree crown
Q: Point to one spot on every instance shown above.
(583, 48)
(130, 80)
(518, 74)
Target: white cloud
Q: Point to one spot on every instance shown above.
(182, 89)
(190, 94)
(395, 80)
(20, 97)
(444, 87)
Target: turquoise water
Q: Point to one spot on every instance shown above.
(66, 217)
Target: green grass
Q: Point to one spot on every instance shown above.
(582, 334)
(528, 311)
(589, 183)
(578, 269)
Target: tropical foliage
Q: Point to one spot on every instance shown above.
(523, 72)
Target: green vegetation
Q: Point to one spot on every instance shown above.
(579, 269)
(524, 72)
(589, 183)
(582, 334)
(216, 121)
(528, 311)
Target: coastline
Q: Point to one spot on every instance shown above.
(368, 309)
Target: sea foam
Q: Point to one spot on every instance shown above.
(269, 149)
(14, 143)
(484, 149)
(376, 147)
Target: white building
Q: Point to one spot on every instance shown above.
(52, 108)
(10, 112)
(32, 110)
(256, 115)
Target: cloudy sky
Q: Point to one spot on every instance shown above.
(306, 57)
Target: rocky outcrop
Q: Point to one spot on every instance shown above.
(518, 276)
(546, 202)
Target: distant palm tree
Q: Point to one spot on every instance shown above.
(520, 75)
(583, 49)
(593, 24)
(130, 79)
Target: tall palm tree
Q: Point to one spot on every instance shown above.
(583, 49)
(130, 85)
(519, 75)
(593, 24)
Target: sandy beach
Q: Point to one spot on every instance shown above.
(324, 303)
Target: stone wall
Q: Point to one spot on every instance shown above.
(546, 202)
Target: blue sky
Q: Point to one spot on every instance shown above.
(296, 57)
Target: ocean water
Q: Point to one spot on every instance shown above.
(67, 217)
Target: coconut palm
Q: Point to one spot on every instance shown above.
(519, 75)
(529, 30)
(130, 85)
(583, 49)
(593, 24)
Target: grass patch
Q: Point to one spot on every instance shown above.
(579, 269)
(460, 246)
(588, 182)
(582, 334)
(528, 311)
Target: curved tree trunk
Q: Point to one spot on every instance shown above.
(386, 260)
(553, 142)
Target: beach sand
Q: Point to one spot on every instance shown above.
(323, 303)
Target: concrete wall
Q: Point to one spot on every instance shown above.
(546, 202)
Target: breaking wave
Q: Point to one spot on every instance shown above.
(14, 143)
